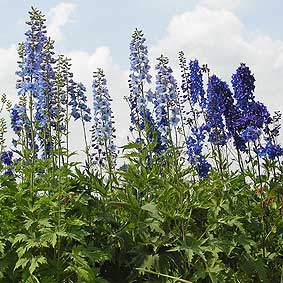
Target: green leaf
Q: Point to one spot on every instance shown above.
(28, 223)
(19, 238)
(82, 273)
(35, 262)
(2, 247)
(131, 146)
(45, 222)
(22, 262)
(155, 226)
(21, 251)
(151, 207)
(190, 254)
(62, 233)
(150, 261)
(76, 222)
(53, 240)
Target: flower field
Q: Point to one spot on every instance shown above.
(199, 197)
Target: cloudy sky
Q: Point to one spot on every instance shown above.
(94, 33)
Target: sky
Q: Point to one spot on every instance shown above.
(93, 33)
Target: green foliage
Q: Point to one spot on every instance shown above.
(147, 223)
(213, 230)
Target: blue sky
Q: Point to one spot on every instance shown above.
(222, 33)
(111, 22)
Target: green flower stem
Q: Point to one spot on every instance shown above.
(250, 159)
(67, 122)
(85, 140)
(164, 275)
(32, 141)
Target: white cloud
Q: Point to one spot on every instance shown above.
(219, 38)
(83, 66)
(198, 31)
(60, 15)
(8, 67)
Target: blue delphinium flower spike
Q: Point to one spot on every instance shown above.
(17, 118)
(196, 83)
(166, 104)
(194, 150)
(79, 103)
(139, 77)
(6, 157)
(253, 115)
(218, 100)
(103, 131)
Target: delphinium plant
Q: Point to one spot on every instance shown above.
(198, 227)
(103, 130)
(194, 96)
(44, 230)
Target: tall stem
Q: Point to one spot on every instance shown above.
(85, 140)
(67, 122)
(32, 141)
